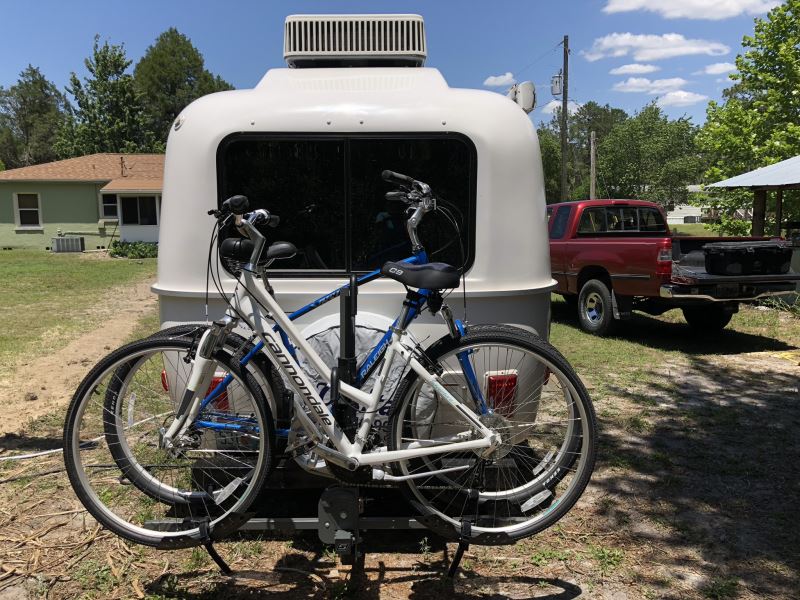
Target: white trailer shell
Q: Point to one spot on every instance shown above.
(509, 280)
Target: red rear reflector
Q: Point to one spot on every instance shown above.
(500, 393)
(221, 401)
(664, 259)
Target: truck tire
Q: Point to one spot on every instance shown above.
(595, 312)
(707, 319)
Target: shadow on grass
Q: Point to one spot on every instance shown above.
(298, 576)
(716, 477)
(661, 335)
(29, 443)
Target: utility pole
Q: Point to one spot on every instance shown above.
(564, 103)
(592, 167)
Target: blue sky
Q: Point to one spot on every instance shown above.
(671, 43)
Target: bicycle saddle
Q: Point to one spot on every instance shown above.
(432, 276)
(241, 248)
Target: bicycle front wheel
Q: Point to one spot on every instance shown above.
(528, 394)
(126, 477)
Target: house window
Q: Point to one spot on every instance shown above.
(27, 209)
(330, 197)
(109, 206)
(139, 210)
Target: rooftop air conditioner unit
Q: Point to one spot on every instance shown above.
(354, 41)
(68, 244)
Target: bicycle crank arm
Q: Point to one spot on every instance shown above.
(336, 457)
(381, 475)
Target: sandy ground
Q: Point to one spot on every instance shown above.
(46, 383)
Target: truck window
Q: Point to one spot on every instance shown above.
(593, 221)
(329, 194)
(651, 219)
(560, 221)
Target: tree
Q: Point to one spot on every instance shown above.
(31, 113)
(550, 147)
(758, 123)
(169, 76)
(651, 157)
(108, 114)
(587, 118)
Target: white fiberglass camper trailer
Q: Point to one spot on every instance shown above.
(309, 143)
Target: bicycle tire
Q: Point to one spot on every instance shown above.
(221, 516)
(570, 467)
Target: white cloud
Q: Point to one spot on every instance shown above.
(645, 47)
(680, 98)
(716, 69)
(634, 69)
(550, 107)
(500, 80)
(647, 86)
(713, 10)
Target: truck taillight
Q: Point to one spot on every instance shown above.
(664, 259)
(221, 402)
(501, 389)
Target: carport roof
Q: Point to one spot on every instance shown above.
(782, 175)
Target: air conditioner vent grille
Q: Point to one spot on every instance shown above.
(354, 40)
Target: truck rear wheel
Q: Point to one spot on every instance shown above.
(595, 313)
(707, 319)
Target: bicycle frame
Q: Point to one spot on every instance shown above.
(314, 414)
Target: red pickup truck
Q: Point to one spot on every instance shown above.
(610, 257)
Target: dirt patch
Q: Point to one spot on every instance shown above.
(44, 384)
(692, 498)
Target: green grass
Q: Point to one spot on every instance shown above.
(699, 229)
(47, 297)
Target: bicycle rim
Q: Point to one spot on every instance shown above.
(545, 456)
(136, 487)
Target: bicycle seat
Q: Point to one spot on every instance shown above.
(241, 248)
(432, 276)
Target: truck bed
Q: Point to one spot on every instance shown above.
(687, 274)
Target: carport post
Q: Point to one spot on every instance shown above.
(759, 212)
(778, 211)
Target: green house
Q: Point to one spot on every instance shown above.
(98, 197)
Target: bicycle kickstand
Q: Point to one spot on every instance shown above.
(463, 546)
(212, 552)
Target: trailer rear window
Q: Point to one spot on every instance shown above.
(329, 194)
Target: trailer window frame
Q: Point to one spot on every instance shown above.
(469, 236)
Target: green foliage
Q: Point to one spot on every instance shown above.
(169, 76)
(31, 113)
(133, 249)
(758, 124)
(650, 157)
(109, 116)
(587, 118)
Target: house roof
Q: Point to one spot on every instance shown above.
(784, 174)
(132, 184)
(93, 168)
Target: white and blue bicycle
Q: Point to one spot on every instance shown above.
(168, 440)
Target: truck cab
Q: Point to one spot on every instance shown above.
(610, 257)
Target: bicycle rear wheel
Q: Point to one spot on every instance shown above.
(545, 419)
(144, 492)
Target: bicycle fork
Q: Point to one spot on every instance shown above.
(200, 379)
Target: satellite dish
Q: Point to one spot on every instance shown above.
(524, 94)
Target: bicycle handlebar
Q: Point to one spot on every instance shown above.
(397, 178)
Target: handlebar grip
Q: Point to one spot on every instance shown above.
(238, 205)
(393, 177)
(397, 196)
